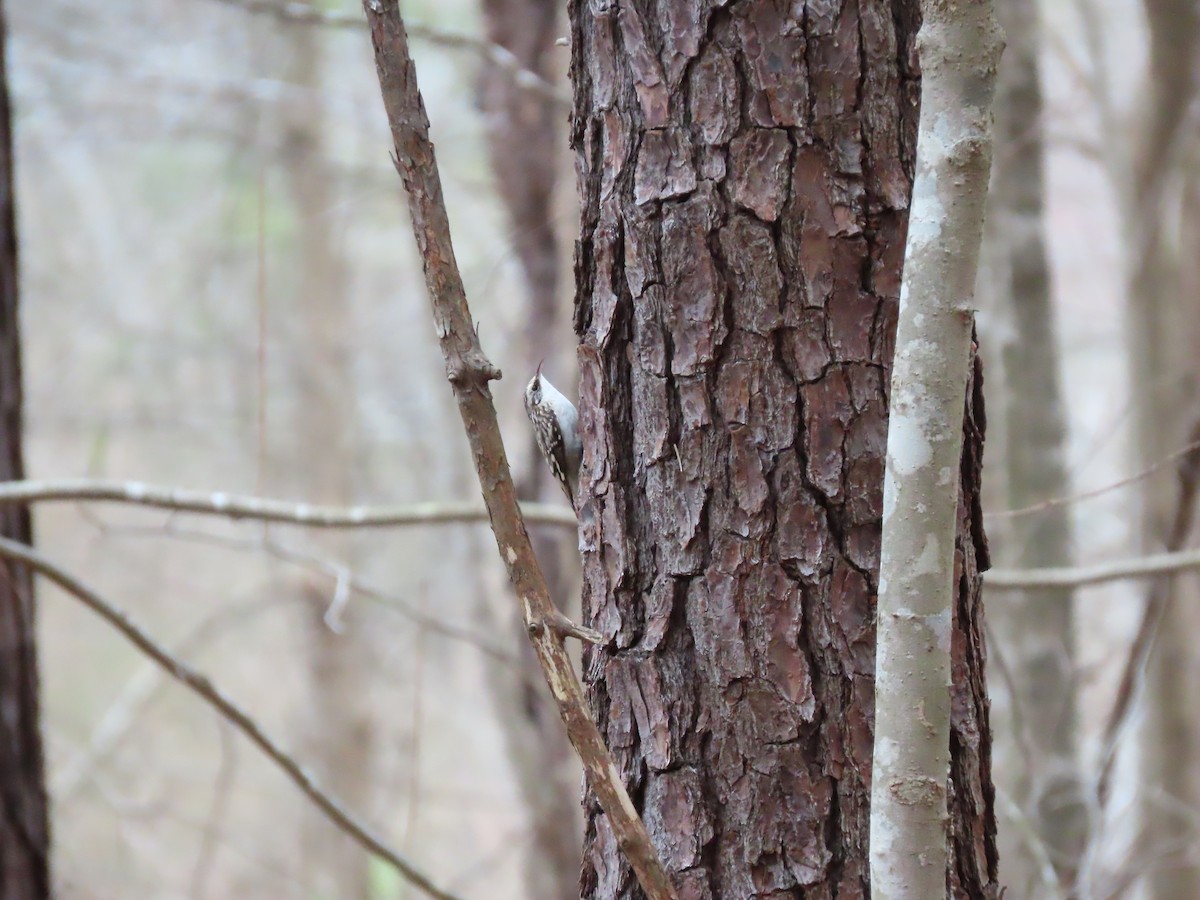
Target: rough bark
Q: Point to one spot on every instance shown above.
(745, 174)
(24, 829)
(1035, 628)
(524, 130)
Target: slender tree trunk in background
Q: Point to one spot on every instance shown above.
(1036, 628)
(319, 455)
(746, 176)
(1163, 341)
(24, 829)
(524, 137)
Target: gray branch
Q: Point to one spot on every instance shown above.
(234, 506)
(501, 57)
(959, 47)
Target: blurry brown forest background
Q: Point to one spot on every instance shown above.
(220, 291)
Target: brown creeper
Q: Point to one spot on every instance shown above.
(556, 426)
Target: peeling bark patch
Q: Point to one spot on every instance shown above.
(682, 26)
(759, 171)
(827, 412)
(804, 347)
(664, 166)
(716, 625)
(747, 470)
(802, 536)
(678, 821)
(714, 93)
(774, 46)
(850, 323)
(693, 290)
(679, 506)
(754, 282)
(852, 611)
(647, 74)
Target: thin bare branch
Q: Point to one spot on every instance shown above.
(1096, 492)
(200, 685)
(470, 372)
(233, 506)
(261, 509)
(1034, 843)
(501, 57)
(123, 714)
(1133, 673)
(1139, 567)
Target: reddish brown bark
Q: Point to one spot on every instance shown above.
(24, 832)
(745, 174)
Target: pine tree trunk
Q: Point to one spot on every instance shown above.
(24, 831)
(746, 174)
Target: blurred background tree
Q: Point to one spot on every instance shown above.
(24, 826)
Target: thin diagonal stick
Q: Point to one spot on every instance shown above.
(198, 684)
(1133, 672)
(1097, 492)
(470, 373)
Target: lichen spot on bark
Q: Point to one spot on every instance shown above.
(927, 562)
(908, 446)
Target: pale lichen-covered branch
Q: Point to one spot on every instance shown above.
(959, 48)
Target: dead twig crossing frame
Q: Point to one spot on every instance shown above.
(245, 508)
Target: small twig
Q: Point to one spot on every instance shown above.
(501, 57)
(233, 506)
(315, 562)
(470, 372)
(220, 804)
(1097, 492)
(330, 806)
(1034, 843)
(1134, 670)
(564, 628)
(1079, 576)
(133, 699)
